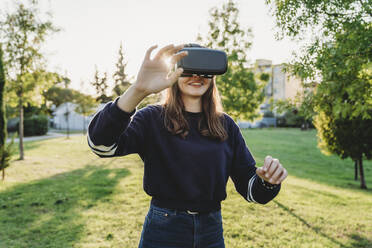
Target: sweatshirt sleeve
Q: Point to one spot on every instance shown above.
(243, 173)
(112, 132)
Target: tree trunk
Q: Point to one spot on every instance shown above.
(20, 131)
(355, 170)
(3, 175)
(361, 172)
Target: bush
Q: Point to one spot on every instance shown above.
(35, 125)
(12, 125)
(289, 119)
(280, 121)
(268, 114)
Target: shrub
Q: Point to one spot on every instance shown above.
(289, 119)
(268, 114)
(35, 125)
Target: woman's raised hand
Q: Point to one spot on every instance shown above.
(156, 74)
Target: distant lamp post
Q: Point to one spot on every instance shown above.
(67, 114)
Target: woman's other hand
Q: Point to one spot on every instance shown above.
(272, 171)
(156, 74)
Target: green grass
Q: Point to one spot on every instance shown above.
(62, 195)
(64, 131)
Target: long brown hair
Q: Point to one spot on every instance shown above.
(211, 124)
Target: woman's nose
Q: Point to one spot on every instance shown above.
(197, 76)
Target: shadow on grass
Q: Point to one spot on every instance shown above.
(48, 212)
(359, 241)
(356, 239)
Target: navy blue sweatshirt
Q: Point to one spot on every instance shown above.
(185, 174)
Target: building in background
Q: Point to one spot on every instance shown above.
(281, 86)
(75, 120)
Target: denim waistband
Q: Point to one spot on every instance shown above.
(200, 207)
(176, 212)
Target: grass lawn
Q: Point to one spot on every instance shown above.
(64, 131)
(62, 195)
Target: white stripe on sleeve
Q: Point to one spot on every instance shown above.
(249, 192)
(101, 149)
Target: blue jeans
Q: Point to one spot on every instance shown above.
(167, 228)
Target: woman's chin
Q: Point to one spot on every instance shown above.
(194, 94)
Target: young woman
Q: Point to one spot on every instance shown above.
(190, 148)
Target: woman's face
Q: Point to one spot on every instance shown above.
(194, 86)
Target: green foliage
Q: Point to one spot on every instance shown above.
(335, 136)
(323, 18)
(35, 125)
(6, 151)
(23, 32)
(268, 113)
(264, 77)
(3, 121)
(58, 95)
(121, 82)
(241, 95)
(32, 86)
(6, 154)
(86, 105)
(290, 118)
(101, 86)
(344, 98)
(295, 112)
(339, 58)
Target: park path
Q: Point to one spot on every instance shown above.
(49, 135)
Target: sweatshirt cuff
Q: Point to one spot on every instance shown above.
(268, 185)
(118, 113)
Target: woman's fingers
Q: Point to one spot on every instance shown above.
(176, 49)
(273, 167)
(272, 171)
(283, 176)
(177, 57)
(172, 51)
(173, 76)
(274, 178)
(148, 53)
(267, 163)
(163, 51)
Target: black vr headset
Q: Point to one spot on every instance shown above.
(202, 61)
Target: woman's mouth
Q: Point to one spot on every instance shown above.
(197, 85)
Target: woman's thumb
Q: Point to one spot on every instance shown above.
(260, 172)
(175, 75)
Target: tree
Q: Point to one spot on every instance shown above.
(66, 82)
(299, 109)
(101, 86)
(23, 32)
(346, 138)
(57, 95)
(241, 94)
(339, 58)
(6, 152)
(345, 97)
(86, 105)
(121, 82)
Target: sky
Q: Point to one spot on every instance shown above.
(93, 30)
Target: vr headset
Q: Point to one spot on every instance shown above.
(202, 61)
